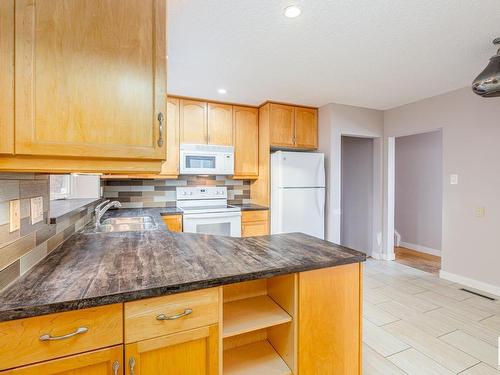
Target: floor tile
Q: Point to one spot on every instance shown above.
(448, 356)
(377, 315)
(481, 369)
(416, 303)
(380, 340)
(375, 364)
(415, 363)
(478, 348)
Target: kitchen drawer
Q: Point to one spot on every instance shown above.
(261, 215)
(21, 340)
(258, 228)
(160, 316)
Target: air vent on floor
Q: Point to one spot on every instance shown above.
(478, 294)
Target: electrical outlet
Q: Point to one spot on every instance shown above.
(480, 212)
(36, 210)
(453, 179)
(14, 215)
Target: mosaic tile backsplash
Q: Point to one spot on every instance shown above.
(137, 193)
(23, 248)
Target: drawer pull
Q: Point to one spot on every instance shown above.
(116, 367)
(174, 317)
(48, 337)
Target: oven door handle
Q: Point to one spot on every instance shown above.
(212, 215)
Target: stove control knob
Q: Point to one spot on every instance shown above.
(190, 193)
(184, 193)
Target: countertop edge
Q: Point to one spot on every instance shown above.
(33, 311)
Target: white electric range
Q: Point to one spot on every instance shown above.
(205, 210)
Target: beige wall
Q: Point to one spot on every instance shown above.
(336, 120)
(471, 149)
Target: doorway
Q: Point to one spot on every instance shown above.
(418, 195)
(357, 190)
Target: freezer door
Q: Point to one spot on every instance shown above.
(300, 210)
(299, 169)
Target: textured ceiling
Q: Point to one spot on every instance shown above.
(370, 53)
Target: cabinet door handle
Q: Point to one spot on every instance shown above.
(174, 317)
(48, 337)
(116, 367)
(161, 118)
(131, 365)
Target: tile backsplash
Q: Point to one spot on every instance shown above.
(23, 248)
(137, 193)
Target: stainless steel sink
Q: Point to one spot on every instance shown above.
(126, 224)
(128, 220)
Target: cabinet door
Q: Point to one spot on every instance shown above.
(173, 222)
(306, 127)
(246, 142)
(170, 166)
(281, 125)
(194, 352)
(193, 116)
(7, 76)
(220, 124)
(90, 78)
(99, 362)
(257, 228)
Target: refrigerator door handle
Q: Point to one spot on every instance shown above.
(320, 202)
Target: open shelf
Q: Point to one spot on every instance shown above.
(256, 358)
(251, 314)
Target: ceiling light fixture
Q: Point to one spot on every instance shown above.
(292, 11)
(222, 91)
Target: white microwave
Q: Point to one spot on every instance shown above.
(206, 159)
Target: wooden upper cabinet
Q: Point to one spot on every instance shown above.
(282, 125)
(246, 142)
(7, 77)
(193, 117)
(170, 166)
(220, 124)
(90, 78)
(306, 127)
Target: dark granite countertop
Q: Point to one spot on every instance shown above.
(170, 211)
(250, 207)
(62, 208)
(92, 269)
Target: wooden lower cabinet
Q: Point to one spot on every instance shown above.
(193, 352)
(254, 223)
(173, 222)
(107, 361)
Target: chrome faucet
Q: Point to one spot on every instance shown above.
(100, 212)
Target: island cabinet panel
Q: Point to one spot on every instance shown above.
(107, 361)
(246, 142)
(282, 125)
(220, 124)
(90, 78)
(306, 127)
(173, 222)
(254, 223)
(194, 352)
(45, 337)
(329, 339)
(193, 117)
(153, 317)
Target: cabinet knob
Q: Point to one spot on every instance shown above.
(116, 367)
(131, 365)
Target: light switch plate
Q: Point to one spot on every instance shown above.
(14, 215)
(36, 210)
(480, 211)
(453, 179)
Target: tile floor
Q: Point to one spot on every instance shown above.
(417, 323)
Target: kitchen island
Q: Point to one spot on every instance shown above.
(275, 304)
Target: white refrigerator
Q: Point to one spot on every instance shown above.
(298, 193)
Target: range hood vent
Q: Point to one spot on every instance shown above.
(487, 84)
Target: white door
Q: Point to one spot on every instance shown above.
(301, 210)
(298, 169)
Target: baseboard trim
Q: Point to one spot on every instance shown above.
(472, 283)
(382, 256)
(422, 249)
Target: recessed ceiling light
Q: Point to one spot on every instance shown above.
(222, 91)
(292, 11)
